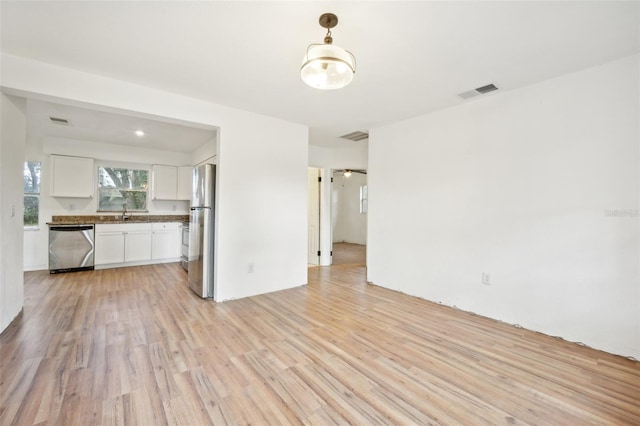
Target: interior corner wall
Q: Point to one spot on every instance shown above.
(206, 153)
(262, 171)
(12, 150)
(538, 187)
(262, 208)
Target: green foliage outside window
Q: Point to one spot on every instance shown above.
(117, 185)
(31, 193)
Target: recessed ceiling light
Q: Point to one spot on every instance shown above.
(139, 133)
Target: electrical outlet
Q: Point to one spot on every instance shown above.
(486, 278)
(72, 206)
(174, 208)
(251, 267)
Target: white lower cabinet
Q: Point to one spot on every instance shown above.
(126, 244)
(164, 241)
(137, 246)
(109, 247)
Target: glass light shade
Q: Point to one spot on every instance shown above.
(327, 67)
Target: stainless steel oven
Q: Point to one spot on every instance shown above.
(184, 259)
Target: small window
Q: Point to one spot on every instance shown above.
(122, 187)
(364, 199)
(31, 194)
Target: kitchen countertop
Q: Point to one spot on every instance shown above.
(113, 218)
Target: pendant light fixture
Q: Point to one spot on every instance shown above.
(326, 66)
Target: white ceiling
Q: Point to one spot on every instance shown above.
(412, 57)
(109, 127)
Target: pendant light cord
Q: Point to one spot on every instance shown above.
(328, 39)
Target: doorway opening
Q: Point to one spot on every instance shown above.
(349, 206)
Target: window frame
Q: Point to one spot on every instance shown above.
(32, 194)
(364, 199)
(127, 166)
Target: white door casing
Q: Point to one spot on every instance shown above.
(314, 216)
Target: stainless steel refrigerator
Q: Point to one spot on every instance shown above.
(201, 230)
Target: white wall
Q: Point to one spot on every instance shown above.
(537, 186)
(354, 156)
(110, 152)
(206, 153)
(12, 151)
(263, 222)
(40, 149)
(349, 225)
(259, 159)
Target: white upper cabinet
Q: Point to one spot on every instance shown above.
(72, 177)
(185, 178)
(165, 182)
(171, 183)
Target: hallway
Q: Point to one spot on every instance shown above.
(349, 254)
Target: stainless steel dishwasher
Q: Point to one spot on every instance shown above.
(71, 248)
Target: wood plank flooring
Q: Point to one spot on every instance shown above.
(134, 346)
(349, 254)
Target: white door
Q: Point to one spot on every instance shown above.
(314, 216)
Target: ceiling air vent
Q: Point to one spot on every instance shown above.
(479, 91)
(486, 89)
(356, 136)
(60, 121)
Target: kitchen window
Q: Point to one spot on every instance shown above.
(120, 187)
(31, 194)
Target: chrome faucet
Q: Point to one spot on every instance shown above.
(124, 210)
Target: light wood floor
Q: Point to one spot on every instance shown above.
(349, 254)
(134, 346)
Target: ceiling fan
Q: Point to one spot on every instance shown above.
(347, 172)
